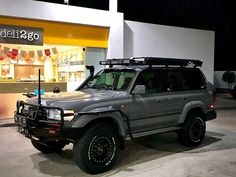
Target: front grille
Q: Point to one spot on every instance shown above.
(37, 113)
(31, 111)
(42, 113)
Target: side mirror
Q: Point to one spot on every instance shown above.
(139, 90)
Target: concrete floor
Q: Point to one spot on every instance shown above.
(159, 155)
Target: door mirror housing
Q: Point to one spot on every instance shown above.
(139, 90)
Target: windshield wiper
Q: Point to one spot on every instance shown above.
(102, 86)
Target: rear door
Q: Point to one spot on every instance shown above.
(196, 86)
(174, 96)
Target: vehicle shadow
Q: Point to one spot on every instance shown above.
(159, 146)
(136, 152)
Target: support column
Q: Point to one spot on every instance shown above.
(113, 5)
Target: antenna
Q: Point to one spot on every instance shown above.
(39, 90)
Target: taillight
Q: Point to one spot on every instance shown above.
(212, 105)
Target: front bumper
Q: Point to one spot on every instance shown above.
(34, 123)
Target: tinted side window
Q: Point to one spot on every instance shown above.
(194, 79)
(152, 79)
(175, 80)
(125, 80)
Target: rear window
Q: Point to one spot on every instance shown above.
(194, 79)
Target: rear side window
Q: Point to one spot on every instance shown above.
(194, 79)
(171, 80)
(175, 80)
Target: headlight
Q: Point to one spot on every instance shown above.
(54, 114)
(69, 115)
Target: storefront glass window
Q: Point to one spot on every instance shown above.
(20, 63)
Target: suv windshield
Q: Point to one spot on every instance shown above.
(112, 79)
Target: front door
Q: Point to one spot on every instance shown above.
(146, 110)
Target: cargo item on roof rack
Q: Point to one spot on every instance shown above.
(152, 61)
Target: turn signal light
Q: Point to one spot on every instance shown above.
(51, 131)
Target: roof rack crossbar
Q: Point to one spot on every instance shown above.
(152, 61)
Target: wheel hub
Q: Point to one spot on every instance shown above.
(196, 130)
(101, 149)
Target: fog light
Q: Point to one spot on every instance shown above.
(51, 131)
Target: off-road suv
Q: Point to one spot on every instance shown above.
(131, 98)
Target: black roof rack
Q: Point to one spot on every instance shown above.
(152, 61)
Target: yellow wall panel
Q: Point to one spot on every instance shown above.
(65, 33)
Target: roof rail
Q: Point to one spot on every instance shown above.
(152, 61)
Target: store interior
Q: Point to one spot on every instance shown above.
(58, 63)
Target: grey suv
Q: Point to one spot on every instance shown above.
(131, 98)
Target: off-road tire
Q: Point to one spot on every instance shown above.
(48, 147)
(193, 131)
(97, 149)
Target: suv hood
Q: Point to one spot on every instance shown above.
(68, 99)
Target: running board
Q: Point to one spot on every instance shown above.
(151, 132)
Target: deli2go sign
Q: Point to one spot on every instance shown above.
(21, 35)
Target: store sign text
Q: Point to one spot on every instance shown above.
(21, 35)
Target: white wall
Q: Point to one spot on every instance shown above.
(125, 39)
(93, 56)
(143, 39)
(116, 37)
(30, 9)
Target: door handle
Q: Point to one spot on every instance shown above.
(185, 98)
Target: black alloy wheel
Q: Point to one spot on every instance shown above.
(193, 130)
(102, 149)
(97, 150)
(196, 130)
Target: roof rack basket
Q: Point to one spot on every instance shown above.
(152, 61)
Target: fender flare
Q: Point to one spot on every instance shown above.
(83, 118)
(188, 107)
